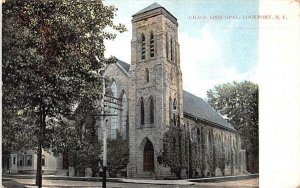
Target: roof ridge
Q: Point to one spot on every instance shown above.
(153, 6)
(189, 102)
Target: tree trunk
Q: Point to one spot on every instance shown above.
(38, 180)
(39, 177)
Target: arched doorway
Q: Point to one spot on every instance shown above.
(148, 156)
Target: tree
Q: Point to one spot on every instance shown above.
(77, 138)
(174, 150)
(238, 103)
(49, 64)
(118, 156)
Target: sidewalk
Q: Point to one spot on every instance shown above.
(29, 179)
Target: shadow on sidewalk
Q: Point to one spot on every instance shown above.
(7, 183)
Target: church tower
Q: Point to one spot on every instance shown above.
(155, 89)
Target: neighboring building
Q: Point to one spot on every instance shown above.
(24, 161)
(153, 101)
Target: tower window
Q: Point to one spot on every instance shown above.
(147, 75)
(142, 112)
(151, 110)
(143, 47)
(170, 110)
(167, 46)
(172, 58)
(151, 45)
(174, 104)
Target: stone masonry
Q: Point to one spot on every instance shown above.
(152, 84)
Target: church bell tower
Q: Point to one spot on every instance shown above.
(155, 89)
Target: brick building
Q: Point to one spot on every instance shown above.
(153, 101)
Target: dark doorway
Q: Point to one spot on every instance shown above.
(148, 157)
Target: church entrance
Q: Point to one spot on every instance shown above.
(148, 157)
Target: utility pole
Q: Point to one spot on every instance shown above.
(102, 112)
(104, 134)
(110, 102)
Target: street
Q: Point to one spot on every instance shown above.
(247, 183)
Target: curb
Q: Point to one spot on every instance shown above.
(139, 181)
(224, 178)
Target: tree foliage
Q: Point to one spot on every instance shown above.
(49, 50)
(174, 150)
(78, 139)
(49, 63)
(118, 157)
(238, 103)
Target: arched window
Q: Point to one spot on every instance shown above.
(198, 135)
(170, 110)
(151, 45)
(113, 118)
(28, 160)
(151, 110)
(172, 58)
(167, 46)
(175, 118)
(147, 75)
(142, 111)
(143, 47)
(174, 104)
(124, 119)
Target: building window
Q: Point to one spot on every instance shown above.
(21, 160)
(124, 115)
(170, 110)
(167, 46)
(151, 110)
(43, 160)
(28, 159)
(14, 160)
(151, 45)
(147, 75)
(142, 112)
(113, 117)
(143, 47)
(174, 119)
(174, 104)
(172, 58)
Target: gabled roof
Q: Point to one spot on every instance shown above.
(151, 7)
(197, 107)
(194, 106)
(124, 65)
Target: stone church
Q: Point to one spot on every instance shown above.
(153, 102)
(171, 132)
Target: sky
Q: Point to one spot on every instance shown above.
(213, 51)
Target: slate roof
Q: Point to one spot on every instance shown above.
(151, 7)
(197, 107)
(124, 65)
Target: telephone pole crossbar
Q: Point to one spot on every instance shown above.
(109, 101)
